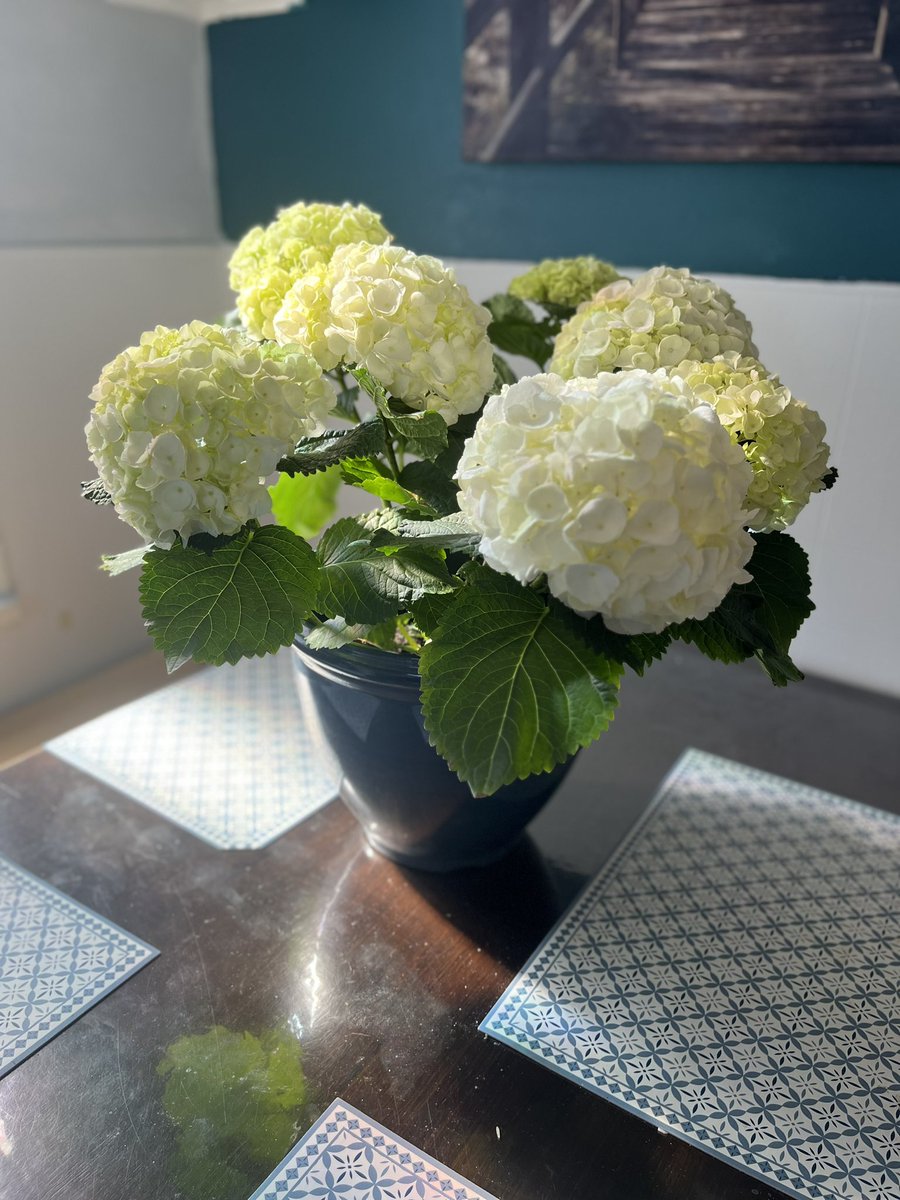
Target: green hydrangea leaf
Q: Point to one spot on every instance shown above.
(457, 436)
(779, 667)
(116, 564)
(380, 518)
(387, 635)
(328, 449)
(333, 634)
(528, 341)
(423, 433)
(505, 307)
(432, 485)
(347, 398)
(780, 570)
(306, 503)
(452, 532)
(760, 618)
(731, 633)
(370, 384)
(94, 491)
(416, 491)
(515, 330)
(245, 598)
(365, 586)
(345, 405)
(373, 478)
(558, 313)
(508, 689)
(428, 612)
(637, 651)
(503, 373)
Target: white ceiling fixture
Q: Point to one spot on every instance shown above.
(205, 12)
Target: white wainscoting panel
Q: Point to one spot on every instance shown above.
(64, 312)
(105, 126)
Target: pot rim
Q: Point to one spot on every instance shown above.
(363, 667)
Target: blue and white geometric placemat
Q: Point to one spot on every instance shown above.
(57, 959)
(733, 976)
(226, 754)
(345, 1156)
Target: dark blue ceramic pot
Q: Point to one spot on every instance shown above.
(413, 809)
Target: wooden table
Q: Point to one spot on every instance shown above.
(381, 974)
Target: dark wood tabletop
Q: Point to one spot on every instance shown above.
(374, 978)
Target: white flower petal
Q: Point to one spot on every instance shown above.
(660, 318)
(629, 498)
(185, 424)
(403, 316)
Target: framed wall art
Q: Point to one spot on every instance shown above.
(683, 80)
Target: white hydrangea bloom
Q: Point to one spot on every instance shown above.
(186, 425)
(784, 441)
(624, 489)
(657, 320)
(400, 315)
(268, 260)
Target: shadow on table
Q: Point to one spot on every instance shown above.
(506, 908)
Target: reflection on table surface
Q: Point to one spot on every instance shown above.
(313, 969)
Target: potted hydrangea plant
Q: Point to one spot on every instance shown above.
(529, 539)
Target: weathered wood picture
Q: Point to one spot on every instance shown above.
(683, 80)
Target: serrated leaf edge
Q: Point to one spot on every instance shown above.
(550, 761)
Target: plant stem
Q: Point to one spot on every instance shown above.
(389, 447)
(408, 638)
(349, 412)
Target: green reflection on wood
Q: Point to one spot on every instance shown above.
(237, 1101)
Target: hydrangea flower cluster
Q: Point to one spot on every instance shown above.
(186, 424)
(269, 260)
(624, 489)
(784, 441)
(657, 320)
(400, 315)
(564, 281)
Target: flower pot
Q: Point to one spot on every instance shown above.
(366, 704)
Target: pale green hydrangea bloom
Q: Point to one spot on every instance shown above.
(269, 260)
(659, 319)
(187, 424)
(784, 441)
(624, 489)
(564, 281)
(400, 315)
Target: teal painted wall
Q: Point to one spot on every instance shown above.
(361, 99)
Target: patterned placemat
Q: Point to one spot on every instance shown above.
(226, 754)
(732, 976)
(57, 959)
(345, 1156)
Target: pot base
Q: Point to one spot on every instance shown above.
(365, 704)
(440, 864)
